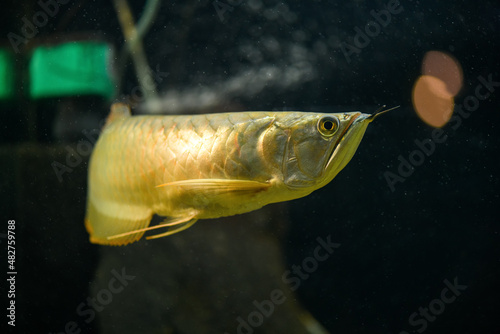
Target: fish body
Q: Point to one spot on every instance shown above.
(208, 166)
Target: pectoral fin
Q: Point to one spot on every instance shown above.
(219, 186)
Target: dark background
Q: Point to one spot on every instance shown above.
(397, 247)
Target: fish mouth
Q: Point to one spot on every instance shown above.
(336, 146)
(351, 134)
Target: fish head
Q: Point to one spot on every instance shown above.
(319, 146)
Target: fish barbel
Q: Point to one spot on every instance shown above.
(208, 166)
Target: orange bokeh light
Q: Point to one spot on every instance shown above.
(432, 101)
(433, 93)
(445, 67)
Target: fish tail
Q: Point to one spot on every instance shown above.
(105, 221)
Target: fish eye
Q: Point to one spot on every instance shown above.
(328, 125)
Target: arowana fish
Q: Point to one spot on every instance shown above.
(208, 166)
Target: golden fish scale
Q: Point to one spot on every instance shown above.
(142, 152)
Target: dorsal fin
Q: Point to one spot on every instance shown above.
(118, 111)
